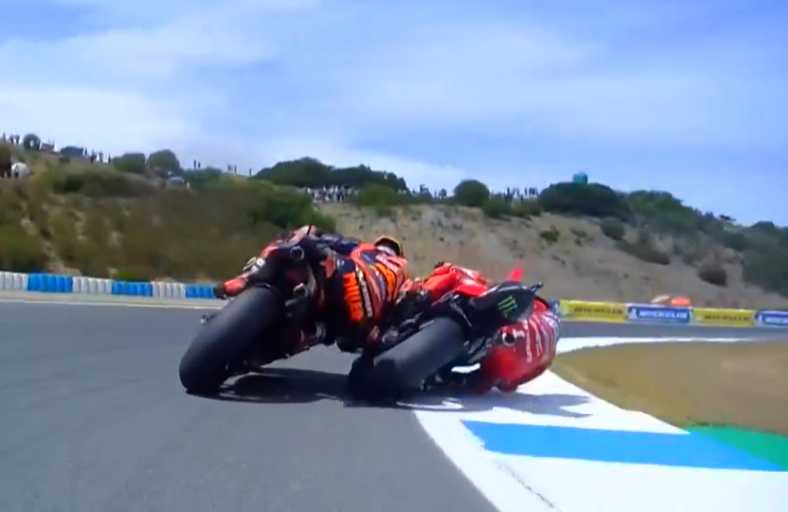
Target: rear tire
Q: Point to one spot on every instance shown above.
(404, 368)
(227, 336)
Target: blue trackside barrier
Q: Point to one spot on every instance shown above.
(50, 283)
(134, 289)
(33, 283)
(199, 291)
(56, 283)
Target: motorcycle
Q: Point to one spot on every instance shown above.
(265, 322)
(507, 330)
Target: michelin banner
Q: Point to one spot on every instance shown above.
(652, 313)
(773, 318)
(594, 311)
(724, 317)
(647, 313)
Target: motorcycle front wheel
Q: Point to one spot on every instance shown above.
(227, 336)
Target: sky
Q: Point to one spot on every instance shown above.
(687, 97)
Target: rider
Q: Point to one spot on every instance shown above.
(360, 283)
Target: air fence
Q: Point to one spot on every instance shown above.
(61, 284)
(577, 310)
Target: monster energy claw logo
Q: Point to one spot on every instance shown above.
(507, 306)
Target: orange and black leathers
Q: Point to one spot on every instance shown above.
(359, 284)
(362, 284)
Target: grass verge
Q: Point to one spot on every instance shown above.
(689, 384)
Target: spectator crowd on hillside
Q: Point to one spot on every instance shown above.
(335, 194)
(321, 182)
(341, 194)
(32, 142)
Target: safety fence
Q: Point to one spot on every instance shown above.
(657, 314)
(56, 283)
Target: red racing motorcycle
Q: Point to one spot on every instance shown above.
(505, 330)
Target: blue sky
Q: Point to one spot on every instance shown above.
(689, 97)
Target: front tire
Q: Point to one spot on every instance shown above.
(404, 367)
(227, 336)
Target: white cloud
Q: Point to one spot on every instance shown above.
(497, 76)
(236, 33)
(138, 86)
(516, 78)
(103, 120)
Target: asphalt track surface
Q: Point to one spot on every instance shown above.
(94, 418)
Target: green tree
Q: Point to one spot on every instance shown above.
(19, 251)
(164, 162)
(310, 172)
(31, 142)
(767, 269)
(130, 162)
(304, 172)
(72, 152)
(737, 241)
(595, 200)
(662, 212)
(496, 208)
(360, 176)
(471, 193)
(204, 177)
(765, 227)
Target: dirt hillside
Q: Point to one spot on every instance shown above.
(583, 263)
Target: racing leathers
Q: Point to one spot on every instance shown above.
(359, 283)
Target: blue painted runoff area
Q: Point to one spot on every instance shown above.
(616, 446)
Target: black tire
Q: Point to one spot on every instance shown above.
(227, 336)
(403, 368)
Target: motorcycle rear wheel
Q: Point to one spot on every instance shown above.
(227, 336)
(404, 367)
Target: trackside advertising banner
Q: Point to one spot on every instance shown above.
(773, 318)
(653, 313)
(658, 314)
(594, 311)
(724, 317)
